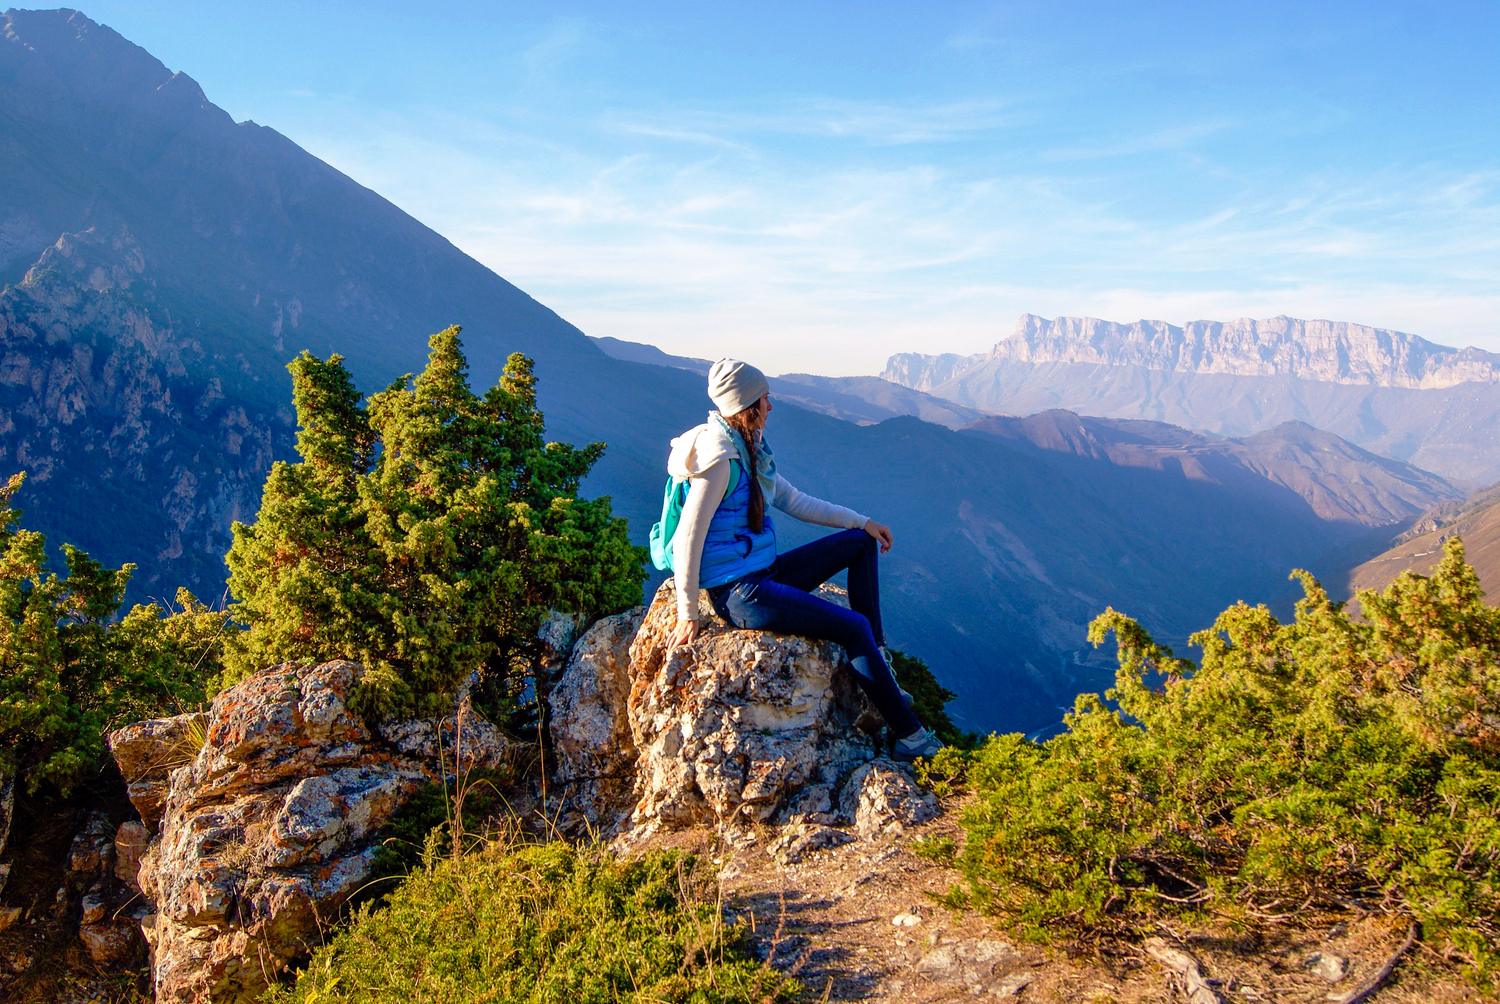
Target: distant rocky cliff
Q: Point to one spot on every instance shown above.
(1326, 351)
(1392, 393)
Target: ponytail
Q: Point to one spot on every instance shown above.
(741, 421)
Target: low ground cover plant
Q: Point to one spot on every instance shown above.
(542, 924)
(1336, 761)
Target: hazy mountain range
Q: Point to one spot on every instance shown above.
(861, 400)
(160, 264)
(1392, 393)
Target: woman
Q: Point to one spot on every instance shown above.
(726, 542)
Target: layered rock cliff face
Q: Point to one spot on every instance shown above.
(128, 425)
(1325, 351)
(1392, 393)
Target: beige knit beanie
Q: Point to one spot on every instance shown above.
(734, 386)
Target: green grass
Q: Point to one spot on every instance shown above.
(543, 924)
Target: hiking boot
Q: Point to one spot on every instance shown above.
(920, 744)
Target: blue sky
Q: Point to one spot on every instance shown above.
(817, 186)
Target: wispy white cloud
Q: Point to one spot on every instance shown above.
(873, 122)
(703, 236)
(1158, 141)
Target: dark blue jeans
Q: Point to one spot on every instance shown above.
(779, 599)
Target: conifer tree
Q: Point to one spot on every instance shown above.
(69, 670)
(426, 535)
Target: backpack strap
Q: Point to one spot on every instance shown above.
(674, 496)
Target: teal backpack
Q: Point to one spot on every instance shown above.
(671, 514)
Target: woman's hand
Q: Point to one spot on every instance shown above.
(880, 532)
(685, 633)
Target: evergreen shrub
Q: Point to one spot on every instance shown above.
(929, 699)
(70, 670)
(548, 924)
(1341, 762)
(425, 534)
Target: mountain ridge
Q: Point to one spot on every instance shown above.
(1398, 395)
(1325, 351)
(1475, 520)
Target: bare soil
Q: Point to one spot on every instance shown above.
(828, 920)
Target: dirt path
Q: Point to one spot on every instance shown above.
(859, 923)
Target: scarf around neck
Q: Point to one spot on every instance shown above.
(765, 467)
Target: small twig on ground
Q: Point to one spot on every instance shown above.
(1364, 990)
(1187, 969)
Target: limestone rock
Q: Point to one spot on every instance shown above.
(558, 634)
(724, 731)
(131, 840)
(1326, 966)
(591, 734)
(93, 906)
(1010, 986)
(977, 964)
(92, 852)
(801, 839)
(883, 800)
(111, 942)
(270, 828)
(147, 753)
(468, 739)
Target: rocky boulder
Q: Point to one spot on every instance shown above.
(740, 727)
(147, 753)
(265, 824)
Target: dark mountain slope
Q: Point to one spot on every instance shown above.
(248, 249)
(235, 217)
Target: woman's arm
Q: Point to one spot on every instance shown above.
(800, 505)
(705, 492)
(814, 510)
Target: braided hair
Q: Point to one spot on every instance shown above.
(743, 422)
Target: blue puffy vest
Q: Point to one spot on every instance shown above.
(731, 551)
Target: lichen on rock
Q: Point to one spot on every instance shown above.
(739, 727)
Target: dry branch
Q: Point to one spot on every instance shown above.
(1364, 990)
